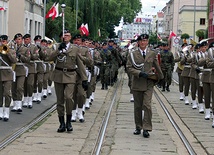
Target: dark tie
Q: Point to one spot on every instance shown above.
(144, 54)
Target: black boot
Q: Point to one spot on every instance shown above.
(62, 124)
(102, 86)
(106, 86)
(68, 123)
(167, 88)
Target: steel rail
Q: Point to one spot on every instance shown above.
(22, 130)
(176, 127)
(104, 124)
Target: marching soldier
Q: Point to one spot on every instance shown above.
(185, 60)
(64, 76)
(7, 59)
(40, 68)
(23, 56)
(79, 92)
(194, 78)
(29, 80)
(140, 64)
(105, 67)
(205, 78)
(210, 64)
(179, 69)
(167, 65)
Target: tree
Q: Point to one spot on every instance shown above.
(200, 34)
(185, 36)
(99, 14)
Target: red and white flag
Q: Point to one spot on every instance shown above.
(2, 8)
(53, 12)
(172, 34)
(159, 37)
(84, 29)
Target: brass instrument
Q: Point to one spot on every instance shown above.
(4, 49)
(181, 67)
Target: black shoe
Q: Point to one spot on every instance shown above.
(24, 106)
(163, 89)
(30, 106)
(146, 134)
(137, 132)
(62, 124)
(82, 120)
(5, 119)
(0, 118)
(19, 110)
(167, 89)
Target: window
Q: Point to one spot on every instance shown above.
(202, 21)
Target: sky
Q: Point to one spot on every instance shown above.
(149, 7)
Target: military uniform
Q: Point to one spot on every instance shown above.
(167, 66)
(23, 56)
(64, 76)
(140, 64)
(6, 79)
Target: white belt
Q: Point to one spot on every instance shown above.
(207, 69)
(5, 67)
(187, 66)
(19, 64)
(38, 61)
(201, 68)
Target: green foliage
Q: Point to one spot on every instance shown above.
(99, 14)
(200, 33)
(185, 36)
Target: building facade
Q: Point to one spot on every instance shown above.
(27, 16)
(211, 21)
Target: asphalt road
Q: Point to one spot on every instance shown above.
(17, 121)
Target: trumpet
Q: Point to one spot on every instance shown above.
(4, 49)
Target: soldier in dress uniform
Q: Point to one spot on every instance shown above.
(64, 76)
(178, 56)
(140, 64)
(23, 56)
(206, 71)
(29, 80)
(185, 61)
(40, 67)
(51, 68)
(167, 65)
(194, 77)
(210, 64)
(79, 92)
(7, 59)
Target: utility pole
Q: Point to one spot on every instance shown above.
(44, 19)
(76, 12)
(194, 20)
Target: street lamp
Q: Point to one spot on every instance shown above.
(63, 18)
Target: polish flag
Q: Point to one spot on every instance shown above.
(172, 34)
(53, 12)
(2, 8)
(159, 37)
(84, 29)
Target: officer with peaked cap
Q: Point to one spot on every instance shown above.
(64, 76)
(140, 64)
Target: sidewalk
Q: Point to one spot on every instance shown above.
(44, 139)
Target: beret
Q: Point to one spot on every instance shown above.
(37, 37)
(65, 31)
(26, 36)
(77, 36)
(197, 46)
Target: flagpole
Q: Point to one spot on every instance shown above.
(76, 12)
(63, 19)
(44, 19)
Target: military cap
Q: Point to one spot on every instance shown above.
(3, 37)
(211, 44)
(142, 36)
(49, 42)
(111, 41)
(104, 43)
(65, 31)
(77, 36)
(204, 43)
(44, 40)
(184, 44)
(37, 37)
(197, 46)
(26, 36)
(17, 36)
